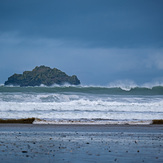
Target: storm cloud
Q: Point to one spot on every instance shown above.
(99, 41)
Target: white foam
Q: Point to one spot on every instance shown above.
(83, 108)
(93, 122)
(57, 106)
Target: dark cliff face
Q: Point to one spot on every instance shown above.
(42, 75)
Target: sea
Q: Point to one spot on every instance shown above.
(82, 104)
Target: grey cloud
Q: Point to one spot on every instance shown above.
(100, 41)
(104, 24)
(92, 65)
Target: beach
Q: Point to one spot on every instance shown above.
(81, 124)
(80, 143)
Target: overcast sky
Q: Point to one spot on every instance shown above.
(100, 41)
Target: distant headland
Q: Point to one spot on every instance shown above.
(42, 75)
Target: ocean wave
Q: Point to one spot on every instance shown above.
(123, 84)
(156, 90)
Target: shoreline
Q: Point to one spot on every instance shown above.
(77, 124)
(111, 128)
(81, 122)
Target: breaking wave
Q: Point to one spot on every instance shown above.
(110, 90)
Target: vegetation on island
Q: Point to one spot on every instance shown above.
(42, 75)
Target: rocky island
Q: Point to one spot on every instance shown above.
(42, 75)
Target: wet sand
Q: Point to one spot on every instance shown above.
(80, 143)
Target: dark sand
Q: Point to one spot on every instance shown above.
(80, 143)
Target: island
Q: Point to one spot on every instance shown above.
(42, 75)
